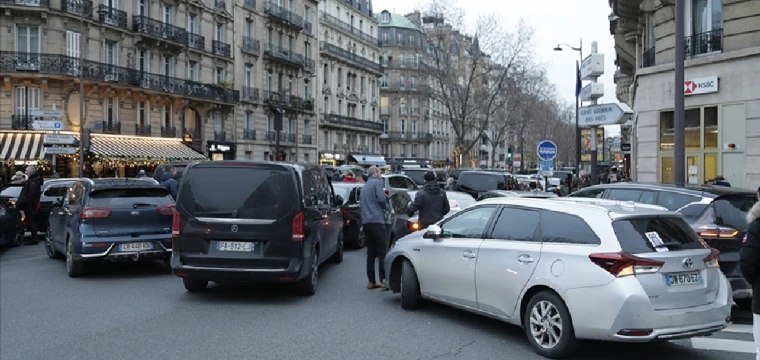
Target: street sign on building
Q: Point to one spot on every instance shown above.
(700, 86)
(60, 150)
(546, 150)
(46, 113)
(546, 167)
(47, 125)
(58, 139)
(604, 114)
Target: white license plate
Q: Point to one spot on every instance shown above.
(2, 212)
(136, 246)
(235, 246)
(685, 278)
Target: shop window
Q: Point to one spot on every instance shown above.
(693, 134)
(666, 169)
(711, 128)
(666, 130)
(696, 120)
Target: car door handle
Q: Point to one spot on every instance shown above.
(468, 254)
(524, 259)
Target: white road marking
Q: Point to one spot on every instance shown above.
(707, 343)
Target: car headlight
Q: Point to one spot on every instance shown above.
(413, 226)
(11, 203)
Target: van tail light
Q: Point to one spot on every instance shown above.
(387, 192)
(175, 223)
(719, 232)
(622, 264)
(94, 213)
(166, 210)
(39, 205)
(343, 211)
(298, 227)
(711, 261)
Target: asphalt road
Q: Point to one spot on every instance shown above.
(140, 311)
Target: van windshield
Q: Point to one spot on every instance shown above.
(481, 181)
(261, 192)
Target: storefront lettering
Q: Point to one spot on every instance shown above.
(219, 148)
(22, 163)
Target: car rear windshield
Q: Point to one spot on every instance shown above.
(481, 181)
(343, 191)
(11, 192)
(129, 198)
(650, 234)
(731, 210)
(250, 192)
(418, 176)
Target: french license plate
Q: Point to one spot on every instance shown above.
(2, 211)
(685, 278)
(235, 246)
(136, 246)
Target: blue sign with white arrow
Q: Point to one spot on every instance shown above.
(547, 150)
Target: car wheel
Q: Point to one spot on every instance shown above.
(744, 304)
(410, 287)
(548, 325)
(308, 285)
(73, 268)
(193, 285)
(19, 239)
(338, 255)
(49, 249)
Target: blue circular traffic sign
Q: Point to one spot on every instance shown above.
(547, 150)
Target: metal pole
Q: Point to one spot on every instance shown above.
(577, 130)
(522, 144)
(679, 142)
(81, 90)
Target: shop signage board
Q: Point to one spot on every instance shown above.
(60, 150)
(58, 139)
(46, 113)
(47, 125)
(603, 114)
(699, 86)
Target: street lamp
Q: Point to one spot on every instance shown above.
(579, 49)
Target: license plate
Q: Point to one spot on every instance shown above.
(136, 246)
(235, 246)
(686, 278)
(2, 212)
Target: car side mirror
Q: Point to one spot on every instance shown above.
(433, 232)
(338, 200)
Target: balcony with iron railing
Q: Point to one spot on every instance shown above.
(249, 134)
(405, 43)
(220, 5)
(108, 127)
(270, 136)
(169, 131)
(221, 49)
(306, 140)
(350, 57)
(291, 138)
(142, 129)
(335, 119)
(249, 94)
(220, 136)
(407, 136)
(704, 43)
(408, 64)
(250, 45)
(159, 29)
(284, 100)
(194, 133)
(196, 42)
(250, 4)
(112, 16)
(283, 15)
(284, 56)
(82, 8)
(66, 66)
(29, 3)
(347, 28)
(647, 58)
(409, 87)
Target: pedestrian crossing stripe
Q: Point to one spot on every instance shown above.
(728, 345)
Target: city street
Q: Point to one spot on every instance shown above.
(141, 311)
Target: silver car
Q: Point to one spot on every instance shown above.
(566, 270)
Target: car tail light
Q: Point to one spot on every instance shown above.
(166, 210)
(38, 206)
(622, 264)
(724, 233)
(298, 227)
(94, 213)
(387, 192)
(343, 211)
(711, 261)
(175, 223)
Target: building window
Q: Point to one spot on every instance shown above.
(270, 122)
(704, 22)
(166, 116)
(248, 81)
(414, 150)
(142, 114)
(192, 23)
(249, 125)
(413, 83)
(218, 123)
(219, 75)
(403, 126)
(385, 126)
(192, 70)
(386, 17)
(27, 98)
(168, 14)
(28, 39)
(168, 67)
(384, 82)
(402, 81)
(402, 60)
(219, 33)
(111, 111)
(702, 147)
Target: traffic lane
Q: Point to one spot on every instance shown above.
(139, 310)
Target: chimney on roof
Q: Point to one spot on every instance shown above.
(415, 17)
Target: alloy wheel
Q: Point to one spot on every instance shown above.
(314, 269)
(48, 243)
(545, 324)
(69, 257)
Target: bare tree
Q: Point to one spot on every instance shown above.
(468, 73)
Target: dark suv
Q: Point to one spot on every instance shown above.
(245, 221)
(716, 213)
(477, 182)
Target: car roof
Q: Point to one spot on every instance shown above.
(482, 172)
(710, 191)
(347, 184)
(585, 207)
(50, 182)
(117, 183)
(523, 193)
(293, 165)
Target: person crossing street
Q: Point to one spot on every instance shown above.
(431, 202)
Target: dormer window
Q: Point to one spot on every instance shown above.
(386, 17)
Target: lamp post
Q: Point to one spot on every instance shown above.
(579, 49)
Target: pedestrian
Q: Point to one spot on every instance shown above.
(431, 202)
(29, 200)
(375, 211)
(749, 263)
(169, 181)
(349, 177)
(721, 181)
(18, 178)
(614, 176)
(141, 174)
(451, 184)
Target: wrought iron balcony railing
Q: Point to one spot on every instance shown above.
(78, 7)
(349, 56)
(401, 43)
(647, 58)
(406, 86)
(30, 3)
(249, 134)
(307, 28)
(347, 28)
(306, 139)
(336, 119)
(220, 136)
(251, 4)
(286, 16)
(21, 122)
(145, 25)
(62, 65)
(291, 138)
(108, 127)
(143, 130)
(197, 42)
(251, 45)
(284, 100)
(169, 131)
(704, 43)
(408, 136)
(249, 94)
(112, 16)
(285, 55)
(221, 49)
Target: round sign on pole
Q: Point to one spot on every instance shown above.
(546, 150)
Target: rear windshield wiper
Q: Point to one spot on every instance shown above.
(139, 204)
(233, 213)
(669, 244)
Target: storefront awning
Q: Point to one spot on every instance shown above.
(21, 146)
(367, 159)
(157, 149)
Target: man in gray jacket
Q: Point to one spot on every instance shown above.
(375, 210)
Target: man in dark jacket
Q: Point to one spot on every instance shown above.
(431, 202)
(169, 182)
(749, 262)
(29, 200)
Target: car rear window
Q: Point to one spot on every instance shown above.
(128, 197)
(481, 182)
(11, 192)
(418, 176)
(639, 235)
(251, 192)
(731, 210)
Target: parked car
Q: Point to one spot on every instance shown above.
(353, 236)
(520, 194)
(536, 263)
(716, 213)
(52, 191)
(110, 220)
(394, 183)
(478, 182)
(254, 221)
(11, 224)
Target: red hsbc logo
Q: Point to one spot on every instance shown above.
(700, 86)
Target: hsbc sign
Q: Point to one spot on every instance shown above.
(700, 86)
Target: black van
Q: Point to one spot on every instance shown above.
(246, 221)
(477, 182)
